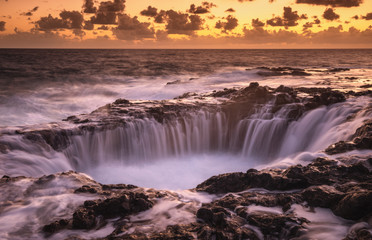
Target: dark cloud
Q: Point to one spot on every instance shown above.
(256, 23)
(356, 17)
(78, 33)
(31, 12)
(50, 23)
(333, 3)
(149, 12)
(2, 26)
(112, 6)
(108, 11)
(330, 15)
(73, 19)
(182, 23)
(289, 19)
(132, 29)
(88, 25)
(88, 7)
(68, 20)
(230, 24)
(104, 18)
(368, 16)
(204, 8)
(231, 10)
(160, 17)
(103, 27)
(308, 25)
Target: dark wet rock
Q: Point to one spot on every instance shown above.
(355, 205)
(345, 189)
(186, 95)
(282, 71)
(205, 214)
(236, 182)
(283, 98)
(313, 90)
(224, 93)
(359, 231)
(361, 139)
(157, 113)
(3, 148)
(325, 98)
(174, 82)
(253, 94)
(280, 226)
(84, 219)
(322, 196)
(284, 89)
(340, 147)
(57, 139)
(87, 189)
(93, 214)
(351, 78)
(55, 226)
(338, 69)
(45, 179)
(122, 101)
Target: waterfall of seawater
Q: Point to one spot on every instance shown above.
(193, 147)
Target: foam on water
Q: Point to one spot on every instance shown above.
(323, 223)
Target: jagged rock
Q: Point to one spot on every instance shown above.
(359, 231)
(253, 93)
(355, 205)
(122, 101)
(340, 147)
(361, 139)
(95, 211)
(284, 89)
(281, 226)
(57, 139)
(56, 226)
(174, 82)
(366, 86)
(87, 189)
(205, 214)
(322, 196)
(84, 219)
(283, 98)
(225, 93)
(338, 69)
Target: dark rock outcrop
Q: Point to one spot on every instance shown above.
(361, 139)
(346, 189)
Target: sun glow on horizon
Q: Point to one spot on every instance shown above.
(159, 24)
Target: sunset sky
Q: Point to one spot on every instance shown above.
(186, 24)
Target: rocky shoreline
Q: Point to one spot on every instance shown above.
(343, 187)
(243, 202)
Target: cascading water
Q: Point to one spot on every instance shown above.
(198, 144)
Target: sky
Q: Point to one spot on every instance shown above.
(186, 24)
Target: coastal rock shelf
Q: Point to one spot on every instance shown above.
(247, 205)
(263, 163)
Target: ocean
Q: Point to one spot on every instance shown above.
(40, 86)
(169, 120)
